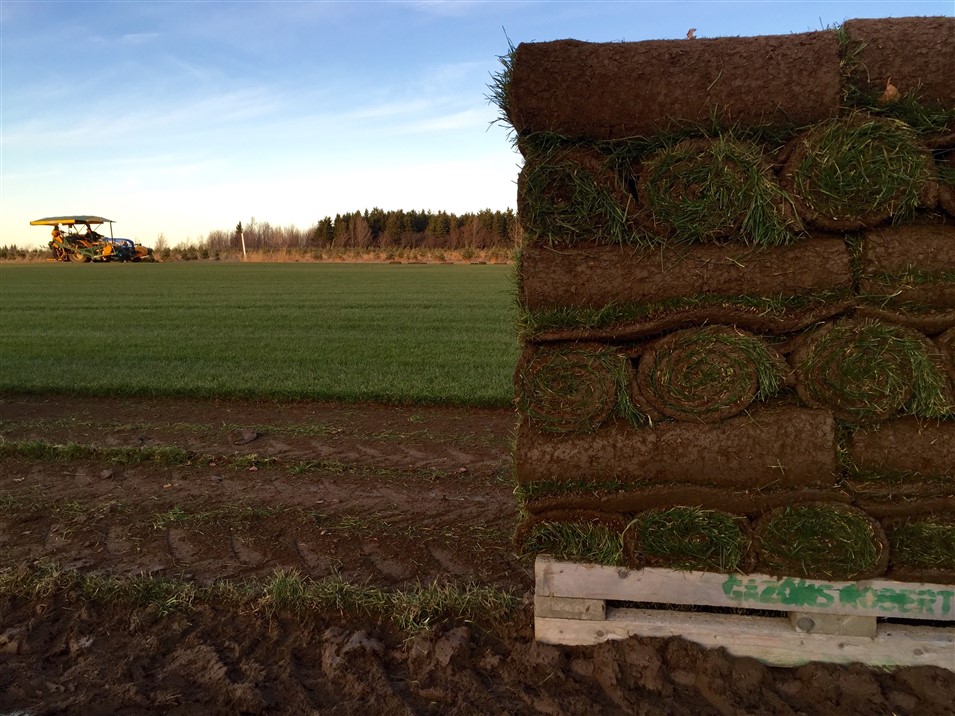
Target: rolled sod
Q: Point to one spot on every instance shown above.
(588, 536)
(910, 265)
(930, 321)
(570, 387)
(946, 347)
(625, 89)
(919, 291)
(946, 185)
(618, 323)
(703, 190)
(899, 249)
(946, 199)
(631, 498)
(906, 446)
(707, 374)
(594, 276)
(778, 447)
(857, 172)
(867, 371)
(922, 548)
(682, 537)
(830, 540)
(916, 53)
(569, 195)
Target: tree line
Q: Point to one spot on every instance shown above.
(375, 229)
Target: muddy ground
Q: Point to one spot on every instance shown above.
(383, 497)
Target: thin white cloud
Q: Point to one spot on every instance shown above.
(138, 38)
(469, 118)
(387, 110)
(114, 124)
(447, 8)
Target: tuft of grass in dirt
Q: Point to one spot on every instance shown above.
(411, 610)
(820, 540)
(688, 538)
(229, 515)
(9, 503)
(923, 544)
(376, 524)
(590, 542)
(431, 604)
(39, 450)
(174, 516)
(925, 118)
(253, 460)
(286, 591)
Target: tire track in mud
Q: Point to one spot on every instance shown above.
(384, 496)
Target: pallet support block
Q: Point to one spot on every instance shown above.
(820, 620)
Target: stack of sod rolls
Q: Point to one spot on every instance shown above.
(737, 291)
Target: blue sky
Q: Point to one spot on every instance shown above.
(181, 117)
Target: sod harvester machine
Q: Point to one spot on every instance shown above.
(81, 242)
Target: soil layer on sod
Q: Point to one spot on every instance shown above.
(946, 186)
(915, 247)
(627, 89)
(908, 447)
(915, 54)
(946, 346)
(639, 321)
(595, 276)
(778, 447)
(910, 265)
(900, 291)
(931, 322)
(630, 499)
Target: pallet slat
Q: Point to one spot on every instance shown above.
(820, 620)
(874, 597)
(769, 639)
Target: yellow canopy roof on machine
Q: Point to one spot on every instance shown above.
(70, 220)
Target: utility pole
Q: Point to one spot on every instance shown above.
(241, 233)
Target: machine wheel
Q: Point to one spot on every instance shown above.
(79, 258)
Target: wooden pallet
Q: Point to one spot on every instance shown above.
(824, 620)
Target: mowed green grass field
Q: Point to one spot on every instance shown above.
(349, 332)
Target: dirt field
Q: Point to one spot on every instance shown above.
(376, 496)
